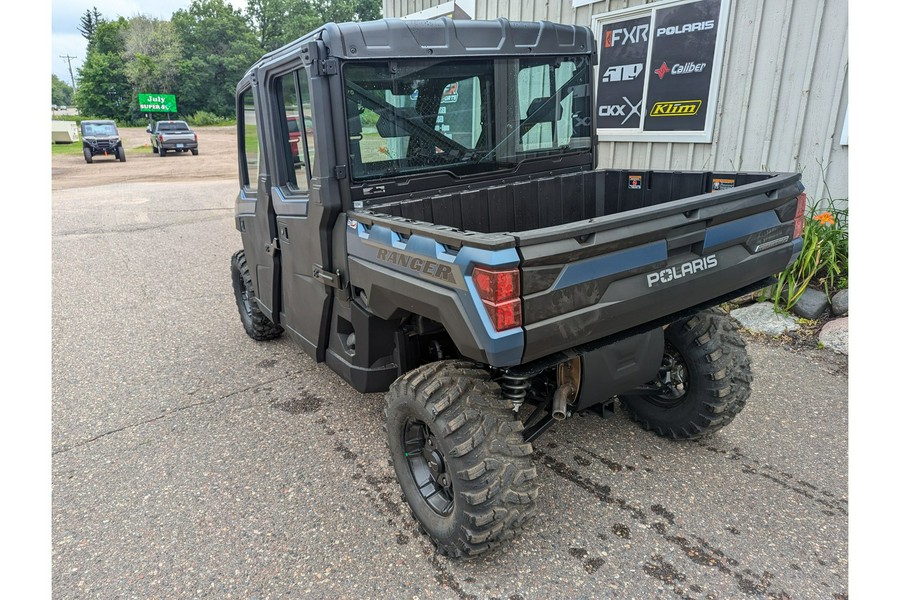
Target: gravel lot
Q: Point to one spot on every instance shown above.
(190, 461)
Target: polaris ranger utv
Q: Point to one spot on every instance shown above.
(440, 232)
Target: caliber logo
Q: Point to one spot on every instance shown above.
(686, 28)
(680, 108)
(622, 73)
(680, 69)
(670, 274)
(618, 110)
(626, 35)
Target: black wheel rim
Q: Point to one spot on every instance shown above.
(428, 467)
(245, 297)
(673, 380)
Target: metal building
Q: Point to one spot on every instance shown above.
(780, 92)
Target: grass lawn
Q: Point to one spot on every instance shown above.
(75, 149)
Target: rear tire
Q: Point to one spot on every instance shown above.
(162, 153)
(195, 151)
(256, 324)
(459, 456)
(88, 157)
(704, 381)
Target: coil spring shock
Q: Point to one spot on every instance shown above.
(515, 389)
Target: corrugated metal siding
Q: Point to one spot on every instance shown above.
(783, 92)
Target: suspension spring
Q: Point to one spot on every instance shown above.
(515, 389)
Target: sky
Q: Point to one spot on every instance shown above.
(65, 39)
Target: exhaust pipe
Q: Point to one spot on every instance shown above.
(560, 400)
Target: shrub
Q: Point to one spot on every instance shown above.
(824, 260)
(202, 117)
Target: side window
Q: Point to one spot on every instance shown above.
(553, 104)
(298, 124)
(250, 141)
(308, 122)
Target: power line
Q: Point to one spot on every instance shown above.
(69, 59)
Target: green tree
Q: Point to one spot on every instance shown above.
(90, 20)
(278, 22)
(218, 46)
(103, 86)
(268, 18)
(60, 91)
(152, 51)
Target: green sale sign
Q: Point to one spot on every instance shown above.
(157, 103)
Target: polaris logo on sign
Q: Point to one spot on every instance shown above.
(670, 274)
(686, 28)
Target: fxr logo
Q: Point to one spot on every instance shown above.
(681, 108)
(626, 35)
(622, 73)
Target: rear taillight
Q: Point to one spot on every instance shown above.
(195, 137)
(161, 138)
(499, 292)
(799, 215)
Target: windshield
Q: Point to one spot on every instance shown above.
(415, 116)
(98, 129)
(178, 126)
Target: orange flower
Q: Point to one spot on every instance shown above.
(826, 218)
(383, 149)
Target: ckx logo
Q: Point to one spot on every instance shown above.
(618, 110)
(680, 69)
(622, 72)
(626, 35)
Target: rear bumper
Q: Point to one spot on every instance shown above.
(178, 145)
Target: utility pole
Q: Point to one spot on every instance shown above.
(69, 60)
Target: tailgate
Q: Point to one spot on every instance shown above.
(595, 278)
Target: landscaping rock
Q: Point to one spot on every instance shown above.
(840, 303)
(762, 318)
(835, 335)
(811, 305)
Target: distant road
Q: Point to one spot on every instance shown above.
(68, 111)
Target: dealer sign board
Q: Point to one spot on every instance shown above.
(658, 70)
(157, 103)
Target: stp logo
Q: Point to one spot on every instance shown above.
(626, 35)
(622, 72)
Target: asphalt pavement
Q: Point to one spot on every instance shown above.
(191, 462)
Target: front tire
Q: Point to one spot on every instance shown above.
(459, 456)
(88, 157)
(256, 324)
(704, 381)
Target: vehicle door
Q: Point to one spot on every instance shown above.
(304, 223)
(255, 214)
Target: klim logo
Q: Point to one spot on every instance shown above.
(670, 274)
(686, 28)
(681, 108)
(622, 73)
(626, 35)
